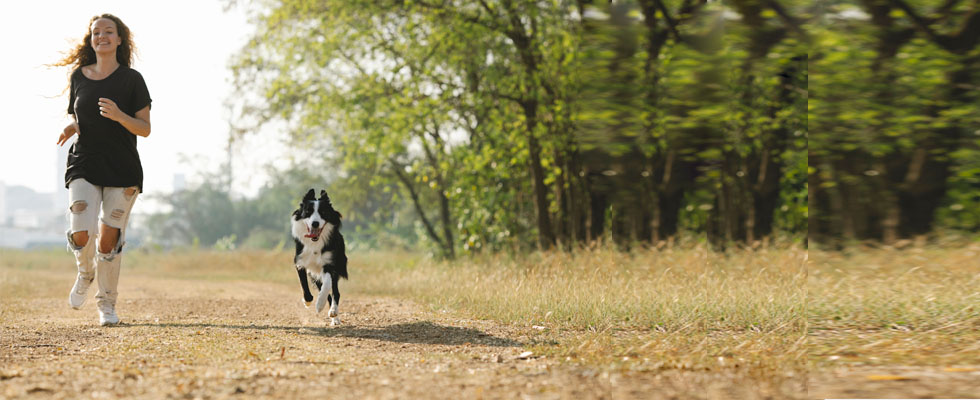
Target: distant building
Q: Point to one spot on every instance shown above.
(21, 238)
(29, 219)
(180, 182)
(25, 218)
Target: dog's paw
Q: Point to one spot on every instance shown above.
(334, 321)
(308, 304)
(333, 312)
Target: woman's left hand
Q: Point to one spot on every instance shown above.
(109, 109)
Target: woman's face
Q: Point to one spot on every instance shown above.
(105, 36)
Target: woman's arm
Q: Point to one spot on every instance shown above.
(139, 124)
(69, 131)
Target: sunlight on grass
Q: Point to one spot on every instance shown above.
(681, 308)
(782, 309)
(668, 291)
(685, 308)
(919, 306)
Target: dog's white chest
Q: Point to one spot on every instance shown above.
(313, 258)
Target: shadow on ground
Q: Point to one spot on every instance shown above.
(421, 332)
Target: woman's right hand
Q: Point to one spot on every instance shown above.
(69, 131)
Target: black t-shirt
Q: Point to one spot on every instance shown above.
(105, 152)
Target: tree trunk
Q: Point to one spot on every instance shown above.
(447, 223)
(667, 188)
(925, 183)
(671, 177)
(598, 203)
(546, 237)
(563, 199)
(417, 203)
(769, 170)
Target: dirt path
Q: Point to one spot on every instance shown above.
(897, 382)
(188, 339)
(215, 340)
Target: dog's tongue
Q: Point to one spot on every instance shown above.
(312, 233)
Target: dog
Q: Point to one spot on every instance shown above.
(319, 251)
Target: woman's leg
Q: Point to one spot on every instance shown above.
(84, 200)
(116, 206)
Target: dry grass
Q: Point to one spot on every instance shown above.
(876, 307)
(600, 323)
(774, 315)
(686, 309)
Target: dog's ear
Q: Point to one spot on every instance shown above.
(311, 195)
(324, 197)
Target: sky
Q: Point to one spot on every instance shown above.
(184, 51)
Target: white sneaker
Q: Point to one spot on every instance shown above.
(107, 316)
(77, 296)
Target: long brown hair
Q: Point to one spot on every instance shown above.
(83, 54)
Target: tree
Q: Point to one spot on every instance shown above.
(510, 122)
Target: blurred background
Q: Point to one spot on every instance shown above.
(455, 127)
(895, 107)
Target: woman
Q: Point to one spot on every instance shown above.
(110, 106)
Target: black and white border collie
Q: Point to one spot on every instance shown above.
(319, 250)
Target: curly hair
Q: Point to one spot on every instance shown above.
(83, 54)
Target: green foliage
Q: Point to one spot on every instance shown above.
(894, 122)
(206, 214)
(793, 196)
(226, 243)
(450, 121)
(961, 209)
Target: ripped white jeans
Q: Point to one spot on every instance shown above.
(87, 202)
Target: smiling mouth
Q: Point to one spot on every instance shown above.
(314, 233)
